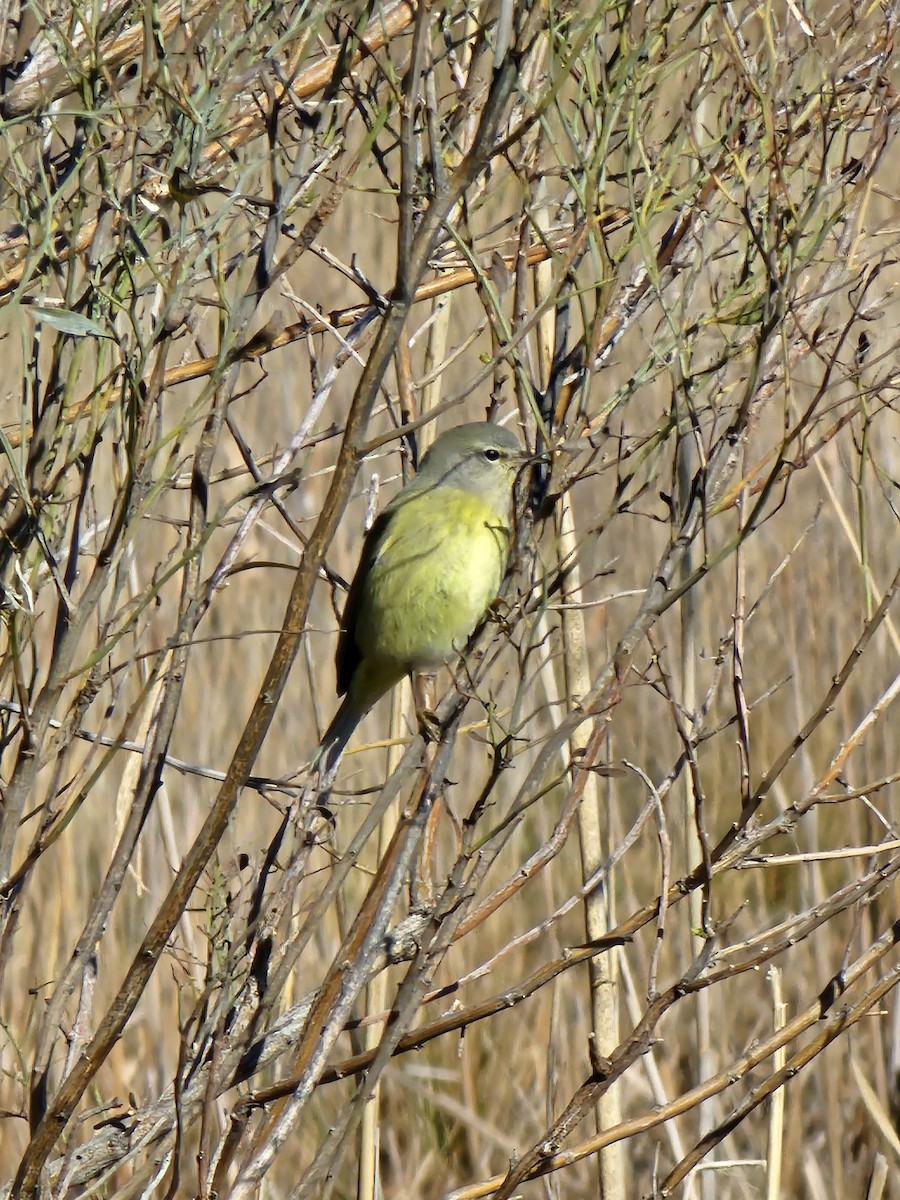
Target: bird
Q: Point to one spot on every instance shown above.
(430, 567)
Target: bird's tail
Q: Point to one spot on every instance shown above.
(337, 735)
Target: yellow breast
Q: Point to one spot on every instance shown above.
(438, 568)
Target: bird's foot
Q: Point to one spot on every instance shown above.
(501, 613)
(429, 725)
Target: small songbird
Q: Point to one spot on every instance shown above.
(430, 567)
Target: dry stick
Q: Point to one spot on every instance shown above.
(603, 971)
(368, 1175)
(389, 22)
(775, 1151)
(833, 1028)
(661, 593)
(276, 676)
(690, 464)
(665, 870)
(316, 1042)
(882, 1119)
(154, 752)
(115, 1145)
(631, 925)
(113, 1023)
(762, 948)
(336, 997)
(758, 1053)
(406, 1004)
(47, 76)
(368, 1183)
(879, 1178)
(355, 317)
(846, 523)
(650, 1062)
(411, 268)
(162, 721)
(694, 838)
(742, 709)
(340, 988)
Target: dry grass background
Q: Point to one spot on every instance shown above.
(245, 245)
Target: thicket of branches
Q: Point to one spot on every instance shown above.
(626, 915)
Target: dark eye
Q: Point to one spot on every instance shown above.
(491, 454)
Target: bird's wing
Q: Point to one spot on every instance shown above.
(347, 656)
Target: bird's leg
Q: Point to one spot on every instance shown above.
(500, 611)
(423, 696)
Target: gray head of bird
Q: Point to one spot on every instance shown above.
(480, 458)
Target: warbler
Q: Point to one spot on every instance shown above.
(430, 566)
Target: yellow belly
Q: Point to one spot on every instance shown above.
(439, 567)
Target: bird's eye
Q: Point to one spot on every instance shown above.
(491, 454)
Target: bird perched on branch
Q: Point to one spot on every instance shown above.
(430, 567)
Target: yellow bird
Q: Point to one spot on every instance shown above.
(430, 567)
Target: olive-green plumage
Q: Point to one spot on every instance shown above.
(430, 566)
